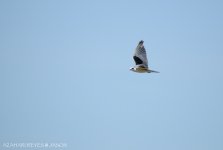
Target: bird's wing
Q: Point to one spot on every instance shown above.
(140, 55)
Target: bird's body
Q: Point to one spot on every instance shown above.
(140, 69)
(141, 61)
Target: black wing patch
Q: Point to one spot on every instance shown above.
(138, 61)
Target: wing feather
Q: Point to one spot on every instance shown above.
(140, 55)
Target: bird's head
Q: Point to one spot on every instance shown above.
(132, 69)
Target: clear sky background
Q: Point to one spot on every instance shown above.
(65, 74)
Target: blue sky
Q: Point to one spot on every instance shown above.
(65, 74)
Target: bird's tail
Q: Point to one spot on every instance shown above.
(153, 71)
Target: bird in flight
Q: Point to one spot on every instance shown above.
(140, 59)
